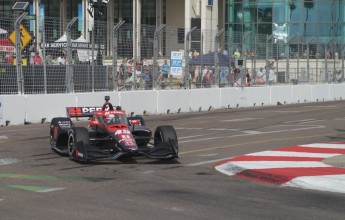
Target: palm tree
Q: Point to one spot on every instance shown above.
(308, 4)
(292, 6)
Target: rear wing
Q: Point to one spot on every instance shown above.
(74, 112)
(78, 112)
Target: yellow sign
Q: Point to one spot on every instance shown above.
(24, 62)
(25, 37)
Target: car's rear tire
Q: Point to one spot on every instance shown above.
(166, 133)
(79, 136)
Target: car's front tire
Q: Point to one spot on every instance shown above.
(80, 136)
(166, 133)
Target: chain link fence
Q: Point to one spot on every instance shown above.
(128, 58)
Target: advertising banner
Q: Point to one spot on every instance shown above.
(176, 63)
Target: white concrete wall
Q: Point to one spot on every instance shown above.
(18, 109)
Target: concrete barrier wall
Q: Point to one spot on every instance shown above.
(20, 109)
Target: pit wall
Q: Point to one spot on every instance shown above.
(22, 109)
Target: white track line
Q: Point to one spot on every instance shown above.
(5, 161)
(50, 190)
(242, 119)
(322, 145)
(291, 154)
(3, 137)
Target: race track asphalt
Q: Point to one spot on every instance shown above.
(37, 183)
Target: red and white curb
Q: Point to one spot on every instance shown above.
(295, 166)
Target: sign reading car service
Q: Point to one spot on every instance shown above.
(25, 37)
(76, 45)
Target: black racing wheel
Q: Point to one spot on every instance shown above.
(166, 133)
(78, 137)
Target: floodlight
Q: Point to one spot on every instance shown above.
(20, 6)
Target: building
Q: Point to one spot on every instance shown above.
(248, 24)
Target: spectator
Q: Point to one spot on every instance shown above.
(237, 54)
(49, 59)
(32, 56)
(260, 75)
(208, 80)
(143, 62)
(338, 76)
(10, 58)
(248, 79)
(204, 71)
(237, 78)
(224, 73)
(193, 71)
(61, 59)
(165, 72)
(122, 72)
(190, 54)
(305, 54)
(317, 55)
(328, 54)
(138, 64)
(147, 77)
(271, 77)
(2, 59)
(37, 59)
(130, 68)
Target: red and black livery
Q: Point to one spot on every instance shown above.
(110, 135)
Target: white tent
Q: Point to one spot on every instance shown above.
(81, 39)
(2, 31)
(62, 39)
(84, 55)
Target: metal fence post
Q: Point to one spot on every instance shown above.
(155, 52)
(342, 61)
(114, 61)
(334, 60)
(187, 66)
(20, 77)
(308, 58)
(216, 58)
(44, 56)
(287, 74)
(69, 70)
(268, 38)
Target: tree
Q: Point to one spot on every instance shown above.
(292, 6)
(308, 4)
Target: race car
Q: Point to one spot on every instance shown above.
(110, 135)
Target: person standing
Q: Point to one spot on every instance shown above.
(61, 59)
(10, 58)
(260, 76)
(165, 72)
(37, 59)
(49, 59)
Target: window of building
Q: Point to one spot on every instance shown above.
(180, 35)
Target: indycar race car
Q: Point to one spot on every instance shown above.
(110, 136)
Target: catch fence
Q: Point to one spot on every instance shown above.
(64, 58)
